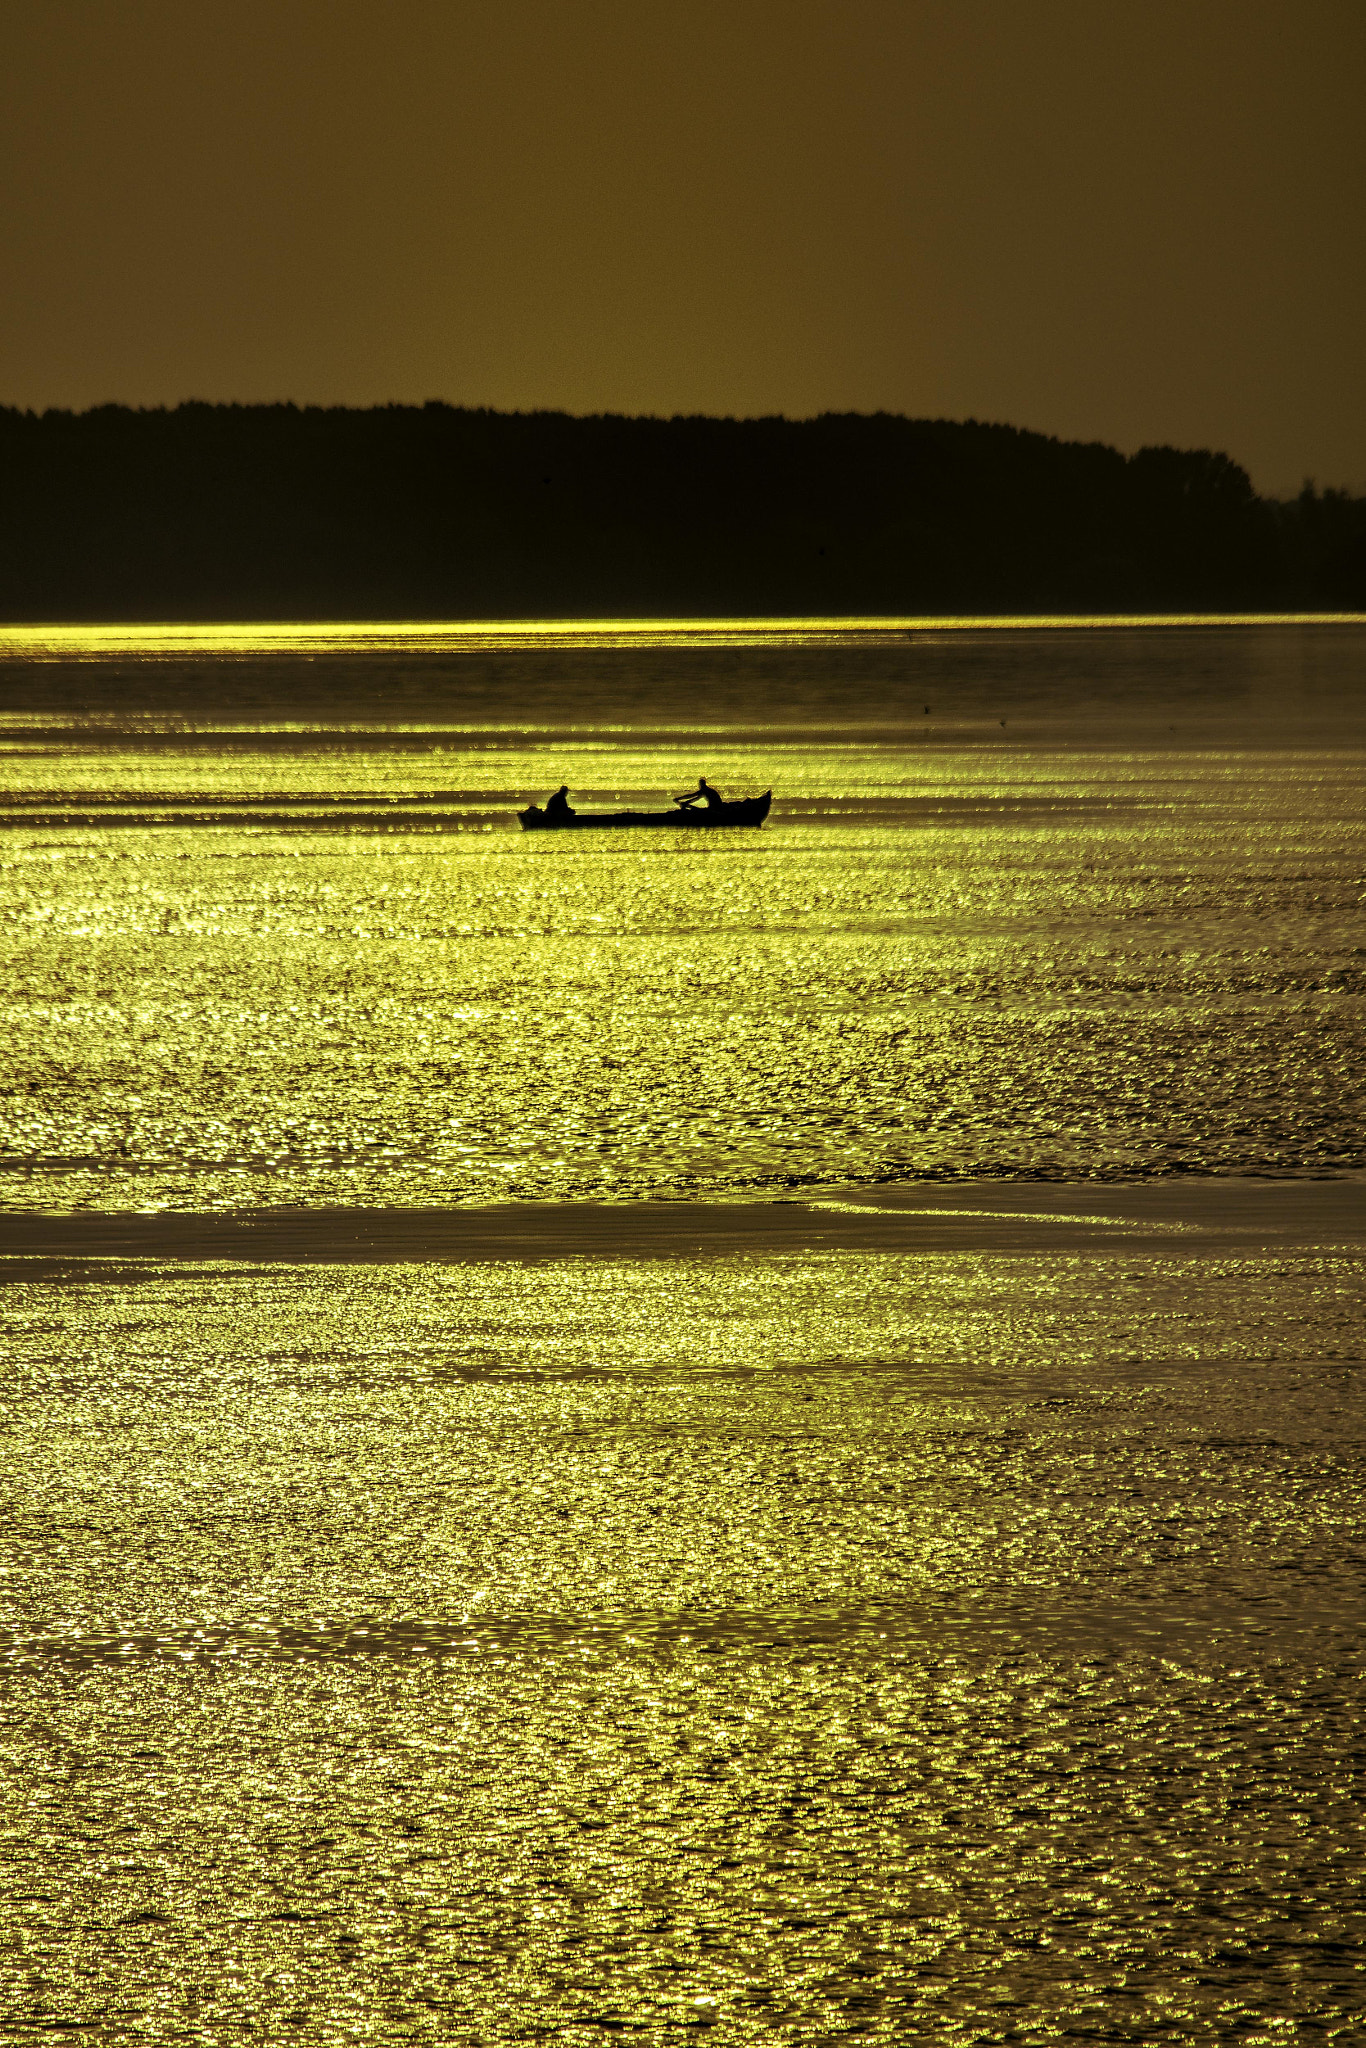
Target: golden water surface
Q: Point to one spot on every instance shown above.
(843, 1619)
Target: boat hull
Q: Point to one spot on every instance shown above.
(749, 811)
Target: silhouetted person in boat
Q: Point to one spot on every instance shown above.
(557, 806)
(704, 794)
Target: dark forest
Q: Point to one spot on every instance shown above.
(282, 511)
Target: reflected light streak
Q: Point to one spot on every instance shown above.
(226, 640)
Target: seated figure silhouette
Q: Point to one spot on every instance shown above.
(703, 794)
(557, 806)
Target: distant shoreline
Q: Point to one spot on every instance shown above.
(207, 513)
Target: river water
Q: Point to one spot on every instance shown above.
(629, 1433)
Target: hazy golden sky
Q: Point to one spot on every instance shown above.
(1130, 220)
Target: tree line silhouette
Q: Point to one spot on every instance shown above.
(436, 511)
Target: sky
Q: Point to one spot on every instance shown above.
(1118, 220)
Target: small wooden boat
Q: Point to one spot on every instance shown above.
(750, 810)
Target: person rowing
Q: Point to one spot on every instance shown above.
(704, 794)
(557, 806)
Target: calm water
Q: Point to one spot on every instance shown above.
(946, 1639)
